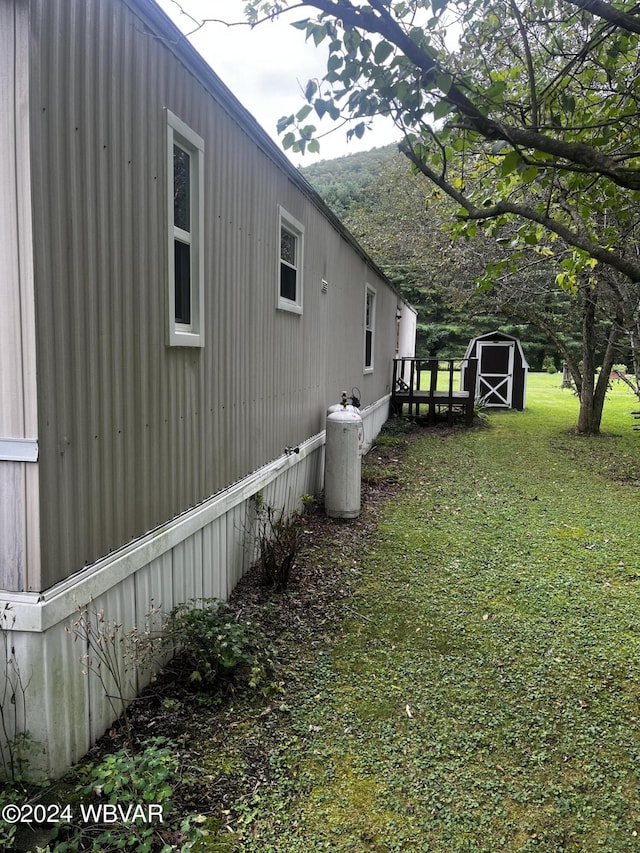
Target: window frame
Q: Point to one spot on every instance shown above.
(186, 334)
(369, 327)
(290, 224)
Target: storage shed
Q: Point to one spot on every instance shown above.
(179, 308)
(501, 381)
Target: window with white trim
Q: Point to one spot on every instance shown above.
(185, 214)
(290, 262)
(369, 327)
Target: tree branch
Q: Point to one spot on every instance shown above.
(609, 13)
(572, 238)
(491, 129)
(533, 98)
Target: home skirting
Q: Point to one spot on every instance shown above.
(202, 553)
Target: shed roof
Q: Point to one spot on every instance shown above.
(497, 335)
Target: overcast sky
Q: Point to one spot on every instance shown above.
(266, 69)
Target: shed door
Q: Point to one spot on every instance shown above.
(495, 372)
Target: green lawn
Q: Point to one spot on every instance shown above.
(484, 694)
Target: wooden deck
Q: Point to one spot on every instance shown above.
(431, 383)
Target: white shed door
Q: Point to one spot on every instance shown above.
(495, 372)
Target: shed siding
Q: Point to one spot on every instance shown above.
(133, 433)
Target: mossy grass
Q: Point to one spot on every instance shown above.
(483, 694)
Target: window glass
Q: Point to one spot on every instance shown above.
(287, 283)
(368, 352)
(291, 234)
(288, 272)
(287, 246)
(369, 323)
(182, 282)
(181, 189)
(185, 232)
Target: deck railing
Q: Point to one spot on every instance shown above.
(436, 391)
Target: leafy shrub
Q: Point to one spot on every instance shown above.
(217, 645)
(145, 777)
(8, 795)
(548, 364)
(127, 781)
(279, 540)
(480, 406)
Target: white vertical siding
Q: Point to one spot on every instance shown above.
(19, 526)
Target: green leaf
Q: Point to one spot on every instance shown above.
(441, 109)
(383, 51)
(496, 91)
(352, 39)
(510, 163)
(319, 34)
(300, 25)
(288, 140)
(444, 82)
(303, 112)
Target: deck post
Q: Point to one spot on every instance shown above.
(394, 386)
(450, 394)
(433, 384)
(472, 373)
(411, 378)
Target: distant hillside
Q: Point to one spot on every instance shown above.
(343, 181)
(401, 221)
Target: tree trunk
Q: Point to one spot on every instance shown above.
(588, 421)
(635, 349)
(592, 393)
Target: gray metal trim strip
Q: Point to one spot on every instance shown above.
(18, 449)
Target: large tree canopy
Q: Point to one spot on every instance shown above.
(531, 117)
(533, 114)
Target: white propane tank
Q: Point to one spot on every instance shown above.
(343, 406)
(343, 465)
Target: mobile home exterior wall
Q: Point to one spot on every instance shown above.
(133, 432)
(145, 454)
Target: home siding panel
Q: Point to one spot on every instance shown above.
(132, 432)
(19, 522)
